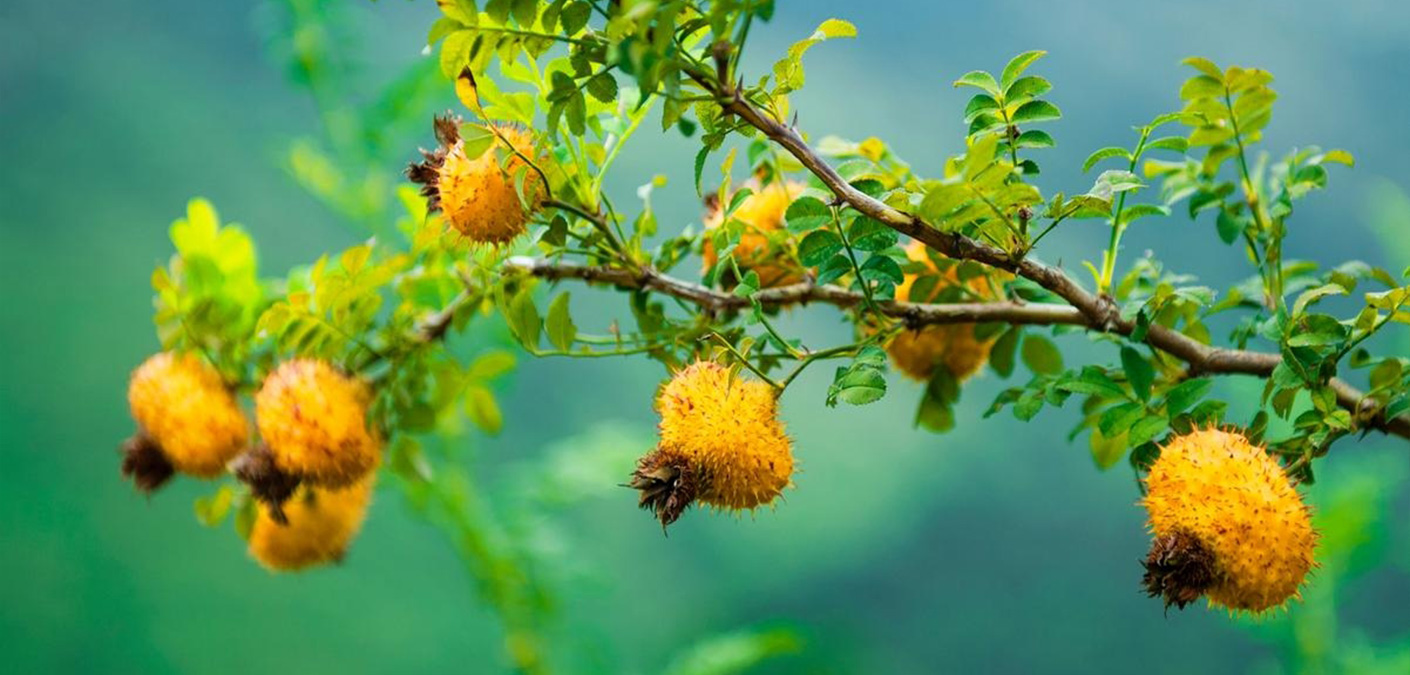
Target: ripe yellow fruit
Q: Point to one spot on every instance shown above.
(917, 353)
(1227, 524)
(187, 414)
(321, 524)
(721, 443)
(480, 195)
(762, 213)
(314, 420)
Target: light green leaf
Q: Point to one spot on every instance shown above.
(1035, 111)
(980, 79)
(1041, 355)
(1017, 65)
(1105, 153)
(561, 331)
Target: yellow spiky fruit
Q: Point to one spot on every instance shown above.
(956, 347)
(762, 214)
(314, 420)
(321, 524)
(187, 414)
(1216, 494)
(480, 195)
(721, 444)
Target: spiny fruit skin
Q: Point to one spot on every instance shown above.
(726, 428)
(321, 523)
(314, 420)
(185, 409)
(1238, 504)
(917, 353)
(762, 213)
(478, 194)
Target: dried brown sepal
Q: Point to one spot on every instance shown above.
(144, 463)
(1179, 569)
(667, 485)
(427, 172)
(268, 483)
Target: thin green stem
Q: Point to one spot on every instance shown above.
(852, 257)
(745, 361)
(1271, 265)
(636, 119)
(1113, 246)
(759, 312)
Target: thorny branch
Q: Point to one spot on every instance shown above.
(1095, 312)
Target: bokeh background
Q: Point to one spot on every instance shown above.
(996, 548)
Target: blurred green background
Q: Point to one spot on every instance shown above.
(996, 548)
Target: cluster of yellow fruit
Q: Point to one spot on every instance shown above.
(760, 248)
(479, 195)
(722, 444)
(312, 473)
(919, 352)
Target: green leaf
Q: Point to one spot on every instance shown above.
(1091, 381)
(807, 213)
(491, 364)
(1001, 355)
(1041, 355)
(1017, 65)
(1146, 429)
(574, 17)
(211, 510)
(1026, 87)
(1339, 157)
(603, 87)
(836, 266)
(1139, 372)
(561, 331)
(980, 79)
(1035, 111)
(1118, 419)
(869, 234)
(1229, 226)
(860, 386)
(1205, 66)
(1201, 86)
(1317, 330)
(482, 409)
(818, 246)
(1109, 183)
(978, 105)
(1106, 450)
(882, 268)
(1105, 153)
(1034, 138)
(1136, 211)
(734, 653)
(1174, 143)
(524, 319)
(1183, 395)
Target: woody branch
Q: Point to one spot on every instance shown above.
(1095, 312)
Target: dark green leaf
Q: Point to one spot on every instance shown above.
(869, 234)
(818, 246)
(1186, 394)
(807, 213)
(1138, 372)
